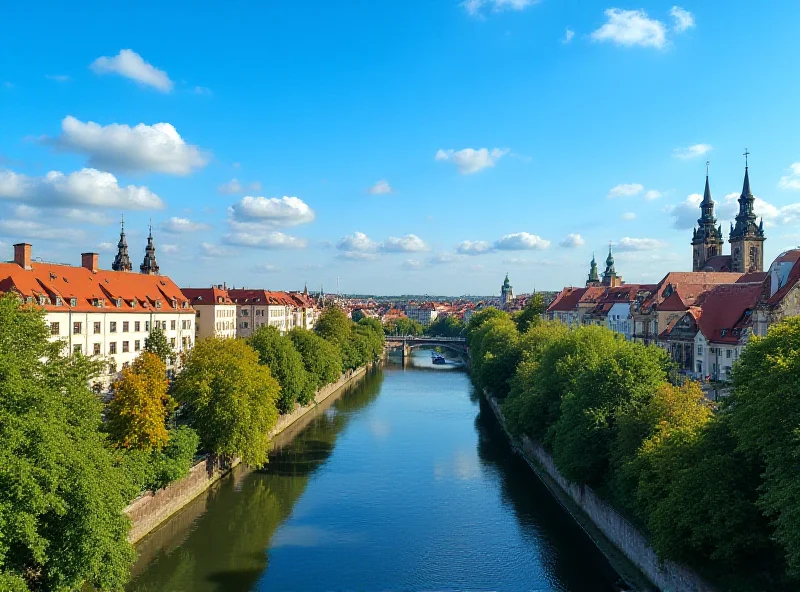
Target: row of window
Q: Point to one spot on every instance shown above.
(125, 345)
(77, 327)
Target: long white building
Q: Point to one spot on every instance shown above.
(282, 310)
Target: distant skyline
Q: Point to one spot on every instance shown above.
(405, 147)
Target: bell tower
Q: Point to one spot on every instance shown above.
(747, 237)
(707, 238)
(122, 262)
(149, 266)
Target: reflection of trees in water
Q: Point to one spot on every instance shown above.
(564, 548)
(226, 550)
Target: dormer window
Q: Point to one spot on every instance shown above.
(133, 303)
(158, 303)
(58, 301)
(29, 300)
(174, 303)
(42, 300)
(73, 302)
(119, 302)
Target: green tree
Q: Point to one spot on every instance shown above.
(61, 496)
(496, 354)
(138, 412)
(286, 365)
(155, 469)
(531, 314)
(229, 398)
(765, 417)
(446, 326)
(403, 326)
(357, 315)
(479, 318)
(322, 359)
(333, 325)
(156, 343)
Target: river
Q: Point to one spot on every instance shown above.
(404, 483)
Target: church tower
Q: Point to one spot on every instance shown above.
(506, 293)
(747, 237)
(610, 277)
(594, 279)
(707, 238)
(122, 262)
(149, 266)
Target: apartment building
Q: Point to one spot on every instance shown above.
(282, 310)
(215, 312)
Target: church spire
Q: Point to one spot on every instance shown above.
(594, 278)
(149, 266)
(747, 236)
(122, 262)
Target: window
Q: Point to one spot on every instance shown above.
(172, 342)
(728, 353)
(76, 328)
(97, 349)
(97, 328)
(119, 302)
(54, 329)
(112, 347)
(187, 324)
(73, 302)
(112, 367)
(699, 350)
(126, 365)
(112, 327)
(164, 325)
(76, 349)
(59, 302)
(125, 326)
(137, 345)
(245, 312)
(172, 325)
(137, 326)
(147, 325)
(126, 347)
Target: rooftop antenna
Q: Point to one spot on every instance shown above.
(746, 154)
(708, 162)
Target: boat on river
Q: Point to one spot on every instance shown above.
(437, 359)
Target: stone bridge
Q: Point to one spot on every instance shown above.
(405, 343)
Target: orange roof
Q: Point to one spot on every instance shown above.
(212, 295)
(54, 286)
(688, 284)
(267, 297)
(567, 300)
(725, 311)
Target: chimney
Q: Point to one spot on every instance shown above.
(22, 255)
(90, 261)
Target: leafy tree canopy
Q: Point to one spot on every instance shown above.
(403, 326)
(446, 326)
(230, 398)
(333, 325)
(156, 343)
(531, 314)
(322, 359)
(286, 365)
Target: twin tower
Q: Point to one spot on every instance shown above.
(122, 261)
(746, 236)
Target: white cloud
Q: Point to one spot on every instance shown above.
(212, 251)
(58, 77)
(155, 148)
(382, 187)
(572, 241)
(629, 28)
(693, 151)
(442, 258)
(264, 240)
(639, 244)
(79, 215)
(521, 241)
(625, 190)
(568, 35)
(686, 213)
(271, 211)
(684, 19)
(130, 64)
(177, 225)
(473, 247)
(87, 187)
(475, 7)
(470, 160)
(169, 249)
(266, 268)
(792, 180)
(412, 264)
(357, 242)
(232, 187)
(652, 194)
(410, 243)
(28, 229)
(106, 247)
(629, 216)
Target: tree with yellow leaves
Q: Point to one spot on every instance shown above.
(137, 414)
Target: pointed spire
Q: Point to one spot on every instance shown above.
(707, 193)
(149, 266)
(122, 262)
(593, 276)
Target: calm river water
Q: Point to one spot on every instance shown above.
(404, 483)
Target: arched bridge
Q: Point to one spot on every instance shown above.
(405, 343)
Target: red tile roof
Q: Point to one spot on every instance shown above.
(725, 311)
(567, 300)
(212, 295)
(52, 282)
(688, 284)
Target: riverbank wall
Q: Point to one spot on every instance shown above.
(151, 509)
(667, 576)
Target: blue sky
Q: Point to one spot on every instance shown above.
(404, 147)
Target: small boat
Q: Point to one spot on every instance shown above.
(437, 359)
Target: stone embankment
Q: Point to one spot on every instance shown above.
(152, 508)
(668, 576)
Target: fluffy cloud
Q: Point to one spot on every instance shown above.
(470, 160)
(358, 242)
(639, 244)
(685, 214)
(475, 7)
(625, 190)
(652, 194)
(212, 251)
(155, 148)
(177, 225)
(412, 264)
(568, 35)
(629, 216)
(683, 19)
(410, 243)
(84, 216)
(264, 240)
(106, 247)
(382, 187)
(630, 28)
(693, 151)
(521, 241)
(792, 180)
(130, 64)
(572, 241)
(473, 247)
(84, 188)
(271, 211)
(234, 187)
(28, 229)
(169, 249)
